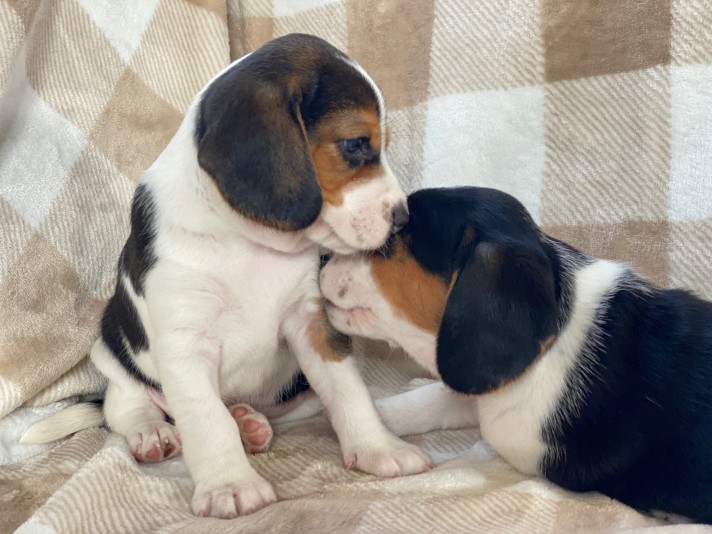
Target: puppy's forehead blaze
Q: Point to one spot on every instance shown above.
(413, 293)
(334, 174)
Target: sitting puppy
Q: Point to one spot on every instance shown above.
(581, 370)
(281, 153)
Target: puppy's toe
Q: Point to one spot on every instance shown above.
(227, 501)
(255, 430)
(390, 459)
(154, 441)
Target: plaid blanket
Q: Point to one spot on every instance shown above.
(597, 114)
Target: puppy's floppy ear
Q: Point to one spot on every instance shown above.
(251, 140)
(500, 315)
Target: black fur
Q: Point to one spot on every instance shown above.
(254, 120)
(137, 257)
(642, 432)
(299, 384)
(501, 263)
(120, 323)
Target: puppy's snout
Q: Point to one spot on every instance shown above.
(399, 218)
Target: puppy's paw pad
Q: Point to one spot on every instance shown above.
(255, 430)
(231, 500)
(398, 458)
(154, 441)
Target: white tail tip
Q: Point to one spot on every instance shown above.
(68, 421)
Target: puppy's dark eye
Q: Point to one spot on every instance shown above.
(352, 147)
(357, 151)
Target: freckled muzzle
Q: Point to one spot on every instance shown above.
(344, 283)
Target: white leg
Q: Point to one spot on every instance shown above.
(129, 411)
(365, 442)
(226, 485)
(427, 408)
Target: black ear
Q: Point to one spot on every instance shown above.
(500, 315)
(251, 140)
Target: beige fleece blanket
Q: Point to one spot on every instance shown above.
(597, 114)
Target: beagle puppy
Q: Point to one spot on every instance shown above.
(576, 369)
(217, 299)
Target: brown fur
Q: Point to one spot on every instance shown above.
(333, 173)
(416, 294)
(326, 340)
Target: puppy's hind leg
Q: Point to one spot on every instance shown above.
(130, 411)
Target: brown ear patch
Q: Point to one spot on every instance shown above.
(331, 344)
(412, 292)
(546, 344)
(333, 173)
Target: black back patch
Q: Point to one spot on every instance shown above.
(121, 325)
(138, 256)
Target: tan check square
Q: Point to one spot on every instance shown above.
(181, 50)
(12, 36)
(484, 45)
(89, 220)
(325, 21)
(66, 35)
(42, 283)
(135, 108)
(645, 244)
(595, 37)
(608, 144)
(393, 44)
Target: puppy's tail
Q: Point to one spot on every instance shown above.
(65, 422)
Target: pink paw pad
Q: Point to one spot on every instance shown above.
(154, 442)
(255, 430)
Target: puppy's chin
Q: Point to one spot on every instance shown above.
(349, 320)
(344, 241)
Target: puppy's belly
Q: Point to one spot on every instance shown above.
(258, 376)
(253, 367)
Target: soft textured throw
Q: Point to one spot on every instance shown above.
(597, 114)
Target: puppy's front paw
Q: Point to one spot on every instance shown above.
(393, 458)
(255, 430)
(241, 497)
(154, 441)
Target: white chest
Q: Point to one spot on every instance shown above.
(511, 420)
(231, 300)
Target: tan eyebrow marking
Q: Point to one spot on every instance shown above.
(333, 173)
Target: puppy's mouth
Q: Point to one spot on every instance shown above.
(332, 307)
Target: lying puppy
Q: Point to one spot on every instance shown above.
(582, 371)
(281, 153)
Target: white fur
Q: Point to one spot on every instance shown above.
(221, 300)
(511, 418)
(71, 419)
(357, 307)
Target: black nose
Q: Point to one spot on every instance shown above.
(399, 218)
